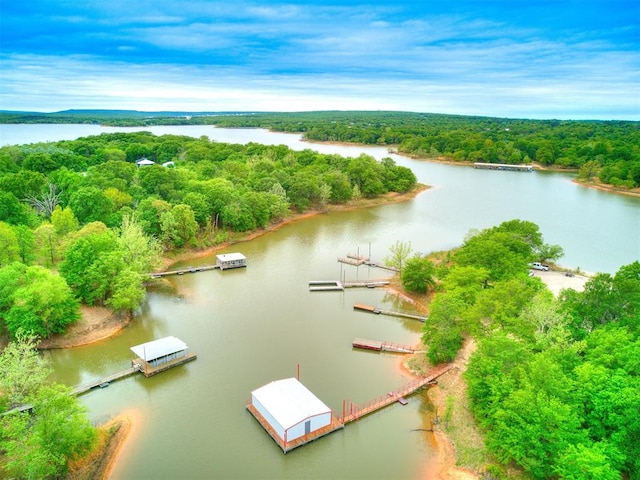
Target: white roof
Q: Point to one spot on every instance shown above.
(145, 161)
(289, 401)
(229, 257)
(159, 348)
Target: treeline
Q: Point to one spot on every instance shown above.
(87, 210)
(604, 150)
(607, 152)
(554, 382)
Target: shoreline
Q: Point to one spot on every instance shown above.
(443, 465)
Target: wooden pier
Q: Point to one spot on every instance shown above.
(337, 285)
(353, 412)
(137, 365)
(182, 271)
(106, 380)
(371, 309)
(354, 259)
(503, 166)
(358, 260)
(379, 346)
(325, 286)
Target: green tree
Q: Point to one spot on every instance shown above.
(26, 243)
(46, 243)
(63, 220)
(367, 174)
(466, 281)
(442, 331)
(141, 253)
(90, 204)
(22, 371)
(178, 225)
(399, 253)
(42, 305)
(148, 214)
(418, 275)
(586, 462)
(15, 212)
(42, 446)
(89, 267)
(9, 246)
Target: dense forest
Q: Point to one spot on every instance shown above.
(606, 152)
(554, 383)
(99, 211)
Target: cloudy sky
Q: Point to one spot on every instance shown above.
(569, 59)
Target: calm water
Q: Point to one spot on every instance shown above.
(257, 324)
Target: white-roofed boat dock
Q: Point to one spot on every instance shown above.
(160, 355)
(150, 359)
(224, 261)
(293, 416)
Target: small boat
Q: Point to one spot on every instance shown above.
(403, 400)
(104, 385)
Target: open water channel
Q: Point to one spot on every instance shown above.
(255, 325)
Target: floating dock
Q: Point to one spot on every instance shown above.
(503, 166)
(358, 260)
(325, 286)
(337, 285)
(381, 346)
(149, 371)
(372, 309)
(350, 411)
(287, 446)
(224, 261)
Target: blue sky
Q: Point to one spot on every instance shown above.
(526, 59)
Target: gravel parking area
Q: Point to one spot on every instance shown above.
(556, 281)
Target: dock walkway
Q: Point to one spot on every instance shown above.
(106, 380)
(372, 309)
(355, 412)
(182, 271)
(379, 346)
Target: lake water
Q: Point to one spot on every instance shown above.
(255, 325)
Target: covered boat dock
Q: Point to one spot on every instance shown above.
(159, 355)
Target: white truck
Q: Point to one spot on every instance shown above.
(540, 266)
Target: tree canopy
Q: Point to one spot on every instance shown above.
(554, 382)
